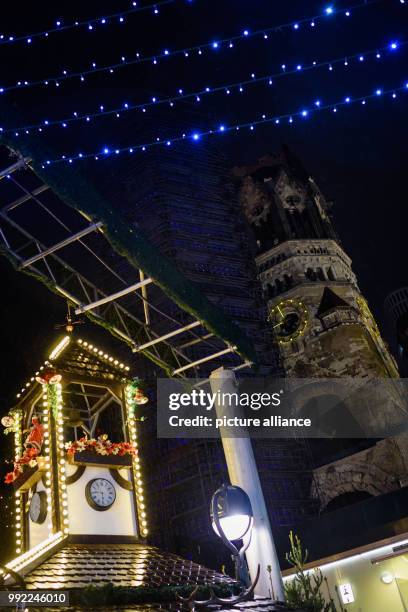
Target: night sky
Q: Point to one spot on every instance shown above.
(358, 156)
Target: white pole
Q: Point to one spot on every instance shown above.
(243, 472)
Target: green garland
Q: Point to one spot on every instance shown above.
(98, 596)
(52, 396)
(129, 241)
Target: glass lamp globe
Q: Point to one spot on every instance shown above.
(234, 512)
(234, 527)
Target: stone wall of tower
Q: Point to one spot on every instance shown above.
(321, 322)
(340, 343)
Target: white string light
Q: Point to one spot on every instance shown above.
(34, 553)
(61, 462)
(59, 348)
(19, 510)
(46, 416)
(222, 128)
(137, 475)
(225, 43)
(102, 355)
(228, 89)
(89, 24)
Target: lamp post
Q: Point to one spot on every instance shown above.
(232, 520)
(243, 472)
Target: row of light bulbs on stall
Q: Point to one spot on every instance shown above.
(19, 514)
(60, 347)
(140, 500)
(103, 355)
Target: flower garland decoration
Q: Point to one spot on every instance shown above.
(100, 446)
(29, 458)
(32, 447)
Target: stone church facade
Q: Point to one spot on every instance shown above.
(321, 322)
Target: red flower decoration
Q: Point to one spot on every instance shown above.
(101, 446)
(48, 376)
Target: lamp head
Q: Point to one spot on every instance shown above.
(231, 512)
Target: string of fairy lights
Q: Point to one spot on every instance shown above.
(136, 467)
(18, 505)
(88, 24)
(237, 87)
(210, 46)
(195, 136)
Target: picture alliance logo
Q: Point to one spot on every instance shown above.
(208, 401)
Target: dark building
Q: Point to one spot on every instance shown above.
(192, 213)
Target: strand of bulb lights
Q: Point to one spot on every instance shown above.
(89, 24)
(61, 346)
(290, 118)
(94, 349)
(34, 553)
(48, 391)
(225, 43)
(19, 513)
(56, 352)
(137, 475)
(62, 476)
(32, 380)
(229, 88)
(59, 349)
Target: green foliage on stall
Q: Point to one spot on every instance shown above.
(98, 596)
(304, 590)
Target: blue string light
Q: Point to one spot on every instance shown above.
(225, 43)
(228, 89)
(89, 24)
(196, 136)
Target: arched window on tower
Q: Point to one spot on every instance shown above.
(320, 274)
(310, 274)
(271, 290)
(330, 274)
(288, 280)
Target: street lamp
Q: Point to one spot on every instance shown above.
(232, 520)
(231, 512)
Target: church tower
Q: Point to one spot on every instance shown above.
(321, 321)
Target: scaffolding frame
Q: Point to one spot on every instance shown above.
(81, 266)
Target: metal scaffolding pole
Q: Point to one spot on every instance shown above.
(193, 364)
(62, 244)
(114, 296)
(166, 336)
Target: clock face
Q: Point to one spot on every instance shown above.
(38, 507)
(289, 319)
(100, 494)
